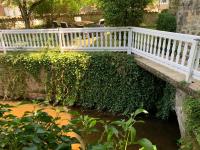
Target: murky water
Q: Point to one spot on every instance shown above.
(163, 134)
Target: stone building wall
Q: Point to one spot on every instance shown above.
(188, 15)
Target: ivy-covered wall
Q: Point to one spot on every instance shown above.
(192, 111)
(102, 80)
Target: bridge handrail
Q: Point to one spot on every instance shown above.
(174, 50)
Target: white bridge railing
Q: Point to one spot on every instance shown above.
(176, 51)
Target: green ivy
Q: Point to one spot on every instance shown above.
(192, 111)
(102, 80)
(166, 104)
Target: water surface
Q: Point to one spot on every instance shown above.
(164, 134)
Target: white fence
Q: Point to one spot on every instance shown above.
(176, 51)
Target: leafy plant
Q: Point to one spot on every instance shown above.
(34, 131)
(37, 130)
(166, 22)
(121, 134)
(117, 135)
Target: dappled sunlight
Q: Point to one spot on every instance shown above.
(19, 110)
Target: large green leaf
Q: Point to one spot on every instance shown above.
(146, 144)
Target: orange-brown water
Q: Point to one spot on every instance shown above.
(19, 110)
(162, 133)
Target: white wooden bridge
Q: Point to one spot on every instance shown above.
(178, 52)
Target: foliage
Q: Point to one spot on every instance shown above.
(166, 104)
(192, 111)
(55, 7)
(34, 131)
(124, 13)
(26, 8)
(117, 135)
(166, 22)
(106, 81)
(37, 130)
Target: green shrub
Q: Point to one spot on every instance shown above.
(102, 80)
(166, 22)
(124, 12)
(192, 110)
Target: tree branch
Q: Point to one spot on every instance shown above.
(34, 5)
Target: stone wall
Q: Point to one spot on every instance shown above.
(188, 15)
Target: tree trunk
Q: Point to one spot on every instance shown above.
(27, 22)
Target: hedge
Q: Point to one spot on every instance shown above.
(102, 80)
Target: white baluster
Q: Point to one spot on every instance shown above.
(12, 40)
(101, 36)
(163, 48)
(76, 40)
(168, 49)
(145, 43)
(40, 39)
(120, 39)
(124, 38)
(178, 52)
(84, 40)
(63, 40)
(133, 39)
(89, 39)
(136, 40)
(106, 39)
(185, 50)
(97, 39)
(92, 39)
(173, 50)
(45, 39)
(141, 42)
(148, 42)
(110, 39)
(151, 43)
(30, 40)
(115, 39)
(155, 45)
(159, 46)
(67, 34)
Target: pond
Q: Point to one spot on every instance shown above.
(164, 134)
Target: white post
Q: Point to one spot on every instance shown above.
(191, 60)
(60, 40)
(130, 38)
(2, 42)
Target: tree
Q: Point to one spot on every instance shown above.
(54, 8)
(124, 12)
(26, 8)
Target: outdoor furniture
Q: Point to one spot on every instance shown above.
(101, 23)
(64, 25)
(55, 24)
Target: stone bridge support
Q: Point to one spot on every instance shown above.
(181, 117)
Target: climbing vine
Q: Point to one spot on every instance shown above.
(101, 80)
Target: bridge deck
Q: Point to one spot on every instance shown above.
(174, 77)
